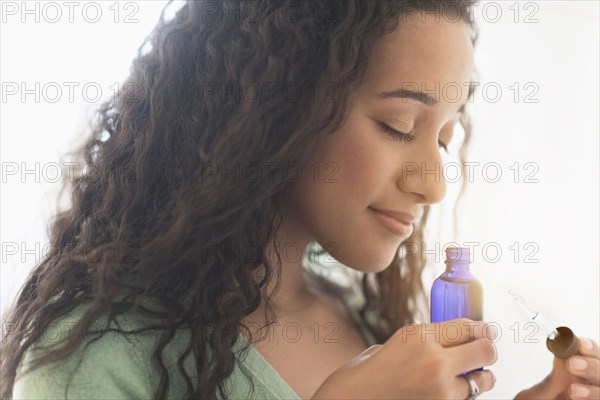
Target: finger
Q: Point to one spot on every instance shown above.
(463, 330)
(585, 367)
(580, 391)
(448, 333)
(485, 381)
(472, 355)
(588, 347)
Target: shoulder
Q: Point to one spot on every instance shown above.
(118, 366)
(112, 366)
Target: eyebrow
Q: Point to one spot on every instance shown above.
(404, 93)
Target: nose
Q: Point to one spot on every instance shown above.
(422, 174)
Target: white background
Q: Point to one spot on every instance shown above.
(554, 220)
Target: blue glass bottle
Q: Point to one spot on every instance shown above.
(457, 293)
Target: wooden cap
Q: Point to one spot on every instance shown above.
(565, 344)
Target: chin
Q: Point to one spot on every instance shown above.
(369, 262)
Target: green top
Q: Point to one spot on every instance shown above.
(117, 366)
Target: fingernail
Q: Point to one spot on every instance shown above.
(587, 344)
(491, 332)
(580, 391)
(578, 364)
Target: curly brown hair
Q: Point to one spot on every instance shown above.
(145, 204)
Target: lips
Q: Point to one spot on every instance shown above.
(403, 217)
(397, 222)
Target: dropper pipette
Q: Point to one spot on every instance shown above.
(561, 341)
(535, 316)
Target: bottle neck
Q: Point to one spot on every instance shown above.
(457, 266)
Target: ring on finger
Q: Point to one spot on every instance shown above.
(473, 387)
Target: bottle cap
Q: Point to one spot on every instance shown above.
(565, 344)
(457, 254)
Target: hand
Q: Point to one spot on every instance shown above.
(563, 381)
(419, 361)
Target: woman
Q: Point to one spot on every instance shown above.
(248, 133)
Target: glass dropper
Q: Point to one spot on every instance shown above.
(535, 316)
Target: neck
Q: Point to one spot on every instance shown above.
(295, 293)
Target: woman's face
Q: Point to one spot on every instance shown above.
(361, 167)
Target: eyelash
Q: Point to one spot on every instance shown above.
(406, 137)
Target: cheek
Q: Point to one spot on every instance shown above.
(350, 173)
(350, 169)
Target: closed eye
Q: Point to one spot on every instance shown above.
(396, 134)
(406, 137)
